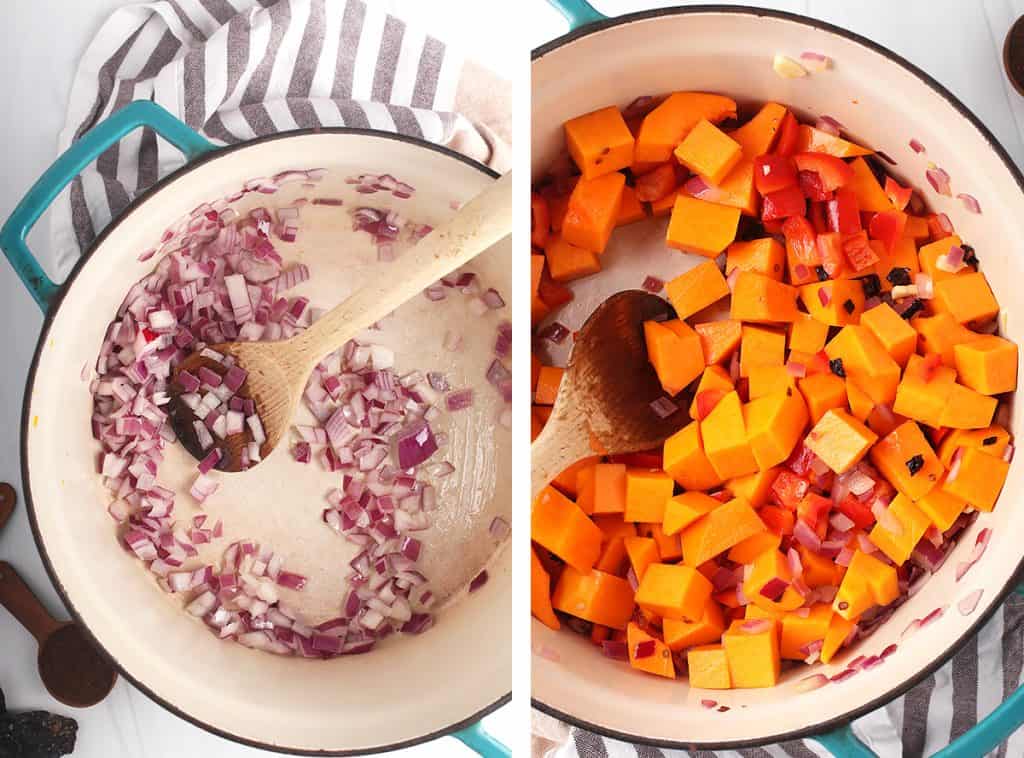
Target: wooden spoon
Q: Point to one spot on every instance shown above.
(607, 390)
(278, 371)
(71, 667)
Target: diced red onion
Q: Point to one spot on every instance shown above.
(939, 180)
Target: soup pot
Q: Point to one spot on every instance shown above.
(883, 101)
(406, 691)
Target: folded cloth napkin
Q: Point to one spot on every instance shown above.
(239, 69)
(946, 704)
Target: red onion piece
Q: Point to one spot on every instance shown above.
(663, 407)
(653, 284)
(939, 180)
(969, 602)
(615, 649)
(916, 146)
(554, 332)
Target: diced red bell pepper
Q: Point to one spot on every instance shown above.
(778, 520)
(830, 251)
(887, 227)
(898, 195)
(832, 171)
(541, 221)
(772, 226)
(789, 133)
(789, 489)
(783, 203)
(773, 172)
(812, 508)
(811, 186)
(859, 513)
(816, 215)
(858, 252)
(148, 334)
(641, 459)
(801, 460)
(800, 245)
(844, 212)
(935, 228)
(656, 184)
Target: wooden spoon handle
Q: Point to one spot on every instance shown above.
(17, 598)
(479, 224)
(8, 498)
(564, 440)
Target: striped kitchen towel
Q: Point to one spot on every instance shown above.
(239, 69)
(939, 709)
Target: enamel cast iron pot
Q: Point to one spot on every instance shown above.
(409, 690)
(884, 101)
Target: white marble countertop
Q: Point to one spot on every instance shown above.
(42, 43)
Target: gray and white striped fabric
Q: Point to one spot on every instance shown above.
(938, 710)
(238, 69)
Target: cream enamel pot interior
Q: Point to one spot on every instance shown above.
(411, 688)
(883, 101)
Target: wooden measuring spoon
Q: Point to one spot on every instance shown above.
(607, 390)
(278, 371)
(71, 668)
(1013, 55)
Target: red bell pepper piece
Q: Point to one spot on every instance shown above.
(772, 226)
(830, 251)
(778, 520)
(812, 187)
(788, 489)
(773, 172)
(832, 171)
(656, 184)
(816, 215)
(812, 508)
(789, 133)
(859, 513)
(652, 459)
(783, 203)
(858, 252)
(898, 195)
(844, 212)
(800, 245)
(935, 228)
(801, 460)
(887, 227)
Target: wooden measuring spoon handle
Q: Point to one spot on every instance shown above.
(564, 440)
(7, 500)
(17, 598)
(479, 224)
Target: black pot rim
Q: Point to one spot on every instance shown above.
(48, 319)
(877, 702)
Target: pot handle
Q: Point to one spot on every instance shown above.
(475, 738)
(63, 170)
(577, 12)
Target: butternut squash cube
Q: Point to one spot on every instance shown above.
(674, 591)
(709, 151)
(867, 582)
(966, 298)
(631, 209)
(761, 346)
(835, 302)
(585, 489)
(698, 226)
(567, 262)
(798, 631)
(860, 402)
(897, 336)
(674, 350)
(870, 195)
(566, 481)
(767, 380)
(558, 524)
(753, 546)
(540, 593)
(967, 409)
(609, 488)
(685, 461)
(866, 362)
(725, 439)
(613, 557)
(752, 650)
(979, 480)
(987, 365)
(593, 209)
(719, 530)
(941, 334)
(774, 423)
(764, 256)
(754, 488)
(696, 289)
(811, 140)
(646, 494)
(760, 299)
(708, 667)
(992, 440)
(902, 255)
(768, 570)
(906, 459)
(649, 654)
(549, 379)
(807, 334)
(642, 552)
(599, 142)
(682, 510)
(714, 378)
(681, 634)
(838, 630)
(669, 546)
(840, 440)
(718, 339)
(922, 397)
(929, 254)
(666, 126)
(822, 393)
(758, 134)
(819, 570)
(898, 545)
(594, 596)
(943, 508)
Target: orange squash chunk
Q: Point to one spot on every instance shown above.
(906, 459)
(902, 255)
(757, 135)
(811, 140)
(979, 480)
(682, 510)
(646, 493)
(807, 334)
(631, 209)
(774, 424)
(870, 195)
(987, 365)
(761, 299)
(840, 440)
(897, 336)
(822, 393)
(566, 481)
(599, 142)
(799, 631)
(899, 543)
(753, 546)
(669, 546)
(929, 255)
(540, 593)
(613, 557)
(725, 439)
(549, 378)
(648, 653)
(696, 289)
(674, 350)
(991, 440)
(767, 380)
(685, 461)
(584, 487)
(666, 126)
(755, 488)
(709, 151)
(713, 534)
(642, 552)
(737, 189)
(760, 346)
(943, 508)
(592, 212)
(966, 298)
(819, 570)
(764, 256)
(698, 226)
(719, 339)
(558, 524)
(610, 488)
(567, 262)
(770, 567)
(867, 582)
(841, 304)
(752, 649)
(674, 591)
(708, 667)
(838, 630)
(922, 394)
(594, 596)
(866, 362)
(713, 378)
